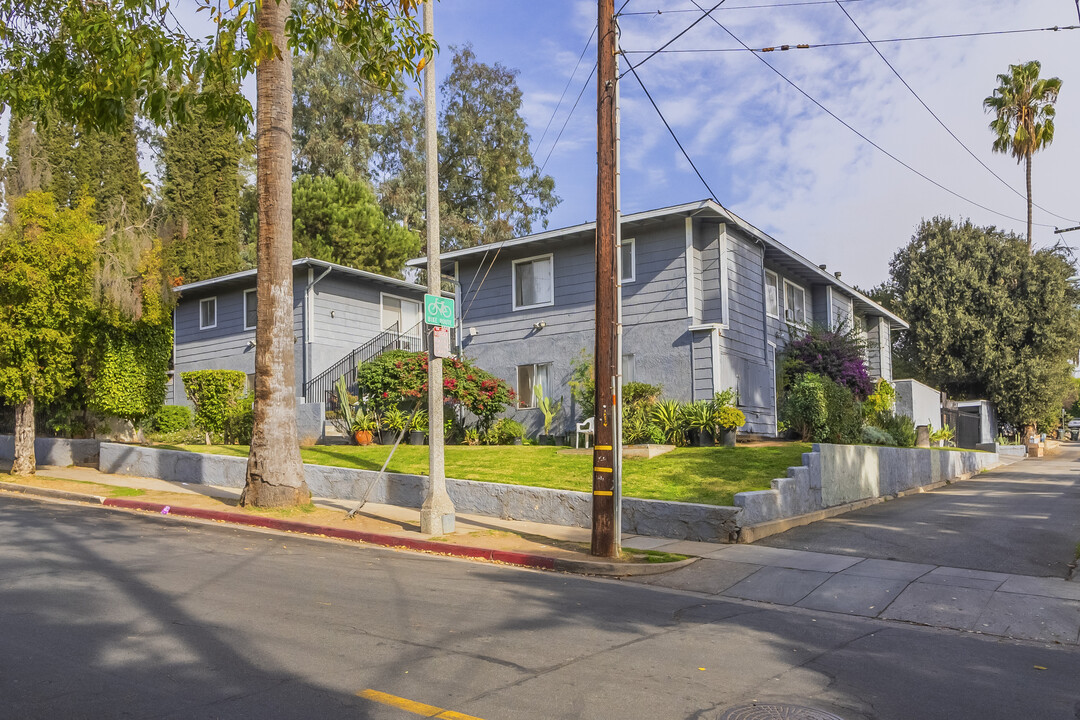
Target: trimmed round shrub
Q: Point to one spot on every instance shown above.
(172, 418)
(215, 395)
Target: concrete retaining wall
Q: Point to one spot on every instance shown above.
(55, 451)
(835, 475)
(1008, 450)
(686, 521)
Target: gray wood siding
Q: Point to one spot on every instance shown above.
(658, 293)
(745, 336)
(819, 304)
(226, 346)
(702, 362)
(841, 310)
(874, 326)
(709, 281)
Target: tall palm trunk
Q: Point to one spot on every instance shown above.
(25, 461)
(275, 475)
(1028, 159)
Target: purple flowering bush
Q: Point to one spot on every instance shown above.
(834, 354)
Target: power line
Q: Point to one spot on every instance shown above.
(568, 116)
(684, 31)
(673, 135)
(741, 7)
(569, 80)
(861, 135)
(939, 120)
(848, 43)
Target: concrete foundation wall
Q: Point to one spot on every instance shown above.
(686, 521)
(919, 402)
(835, 475)
(55, 451)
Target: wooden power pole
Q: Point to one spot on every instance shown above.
(606, 458)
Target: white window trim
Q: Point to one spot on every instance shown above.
(779, 294)
(206, 300)
(382, 307)
(517, 379)
(792, 283)
(513, 282)
(633, 262)
(246, 293)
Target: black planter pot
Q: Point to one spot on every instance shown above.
(387, 437)
(727, 437)
(517, 441)
(702, 438)
(559, 440)
(416, 437)
(545, 439)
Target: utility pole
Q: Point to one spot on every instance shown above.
(605, 533)
(437, 512)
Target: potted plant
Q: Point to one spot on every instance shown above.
(550, 410)
(729, 420)
(364, 427)
(418, 428)
(698, 417)
(942, 437)
(392, 423)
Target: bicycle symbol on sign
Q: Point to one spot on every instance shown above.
(438, 311)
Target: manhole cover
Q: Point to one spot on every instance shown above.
(775, 711)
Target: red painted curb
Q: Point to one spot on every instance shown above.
(465, 551)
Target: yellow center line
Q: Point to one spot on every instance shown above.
(412, 706)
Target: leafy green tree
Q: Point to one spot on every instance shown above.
(988, 319)
(1023, 107)
(45, 297)
(86, 62)
(339, 220)
(201, 196)
(490, 187)
(337, 116)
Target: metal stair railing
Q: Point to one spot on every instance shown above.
(321, 387)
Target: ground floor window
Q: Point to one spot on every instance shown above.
(529, 379)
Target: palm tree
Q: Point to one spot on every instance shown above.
(1023, 104)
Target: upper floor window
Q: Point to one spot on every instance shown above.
(533, 282)
(794, 303)
(772, 294)
(629, 256)
(251, 309)
(207, 313)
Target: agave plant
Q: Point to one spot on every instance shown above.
(698, 415)
(668, 416)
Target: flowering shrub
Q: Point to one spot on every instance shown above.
(833, 354)
(730, 418)
(398, 376)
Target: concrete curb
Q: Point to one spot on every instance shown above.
(50, 493)
(506, 557)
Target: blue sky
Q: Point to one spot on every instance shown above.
(769, 154)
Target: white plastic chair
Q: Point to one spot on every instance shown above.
(586, 429)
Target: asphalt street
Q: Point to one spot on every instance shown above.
(107, 615)
(1022, 519)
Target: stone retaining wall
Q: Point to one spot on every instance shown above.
(55, 451)
(687, 521)
(833, 475)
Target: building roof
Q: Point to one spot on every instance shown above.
(699, 208)
(310, 262)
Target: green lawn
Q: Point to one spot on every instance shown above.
(698, 475)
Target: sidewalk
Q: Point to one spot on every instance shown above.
(992, 603)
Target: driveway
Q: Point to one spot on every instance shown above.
(1023, 519)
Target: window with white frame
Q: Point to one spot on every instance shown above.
(529, 379)
(629, 257)
(772, 294)
(533, 282)
(251, 309)
(794, 303)
(400, 314)
(207, 313)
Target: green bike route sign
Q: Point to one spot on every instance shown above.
(438, 311)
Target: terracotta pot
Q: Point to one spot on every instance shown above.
(363, 437)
